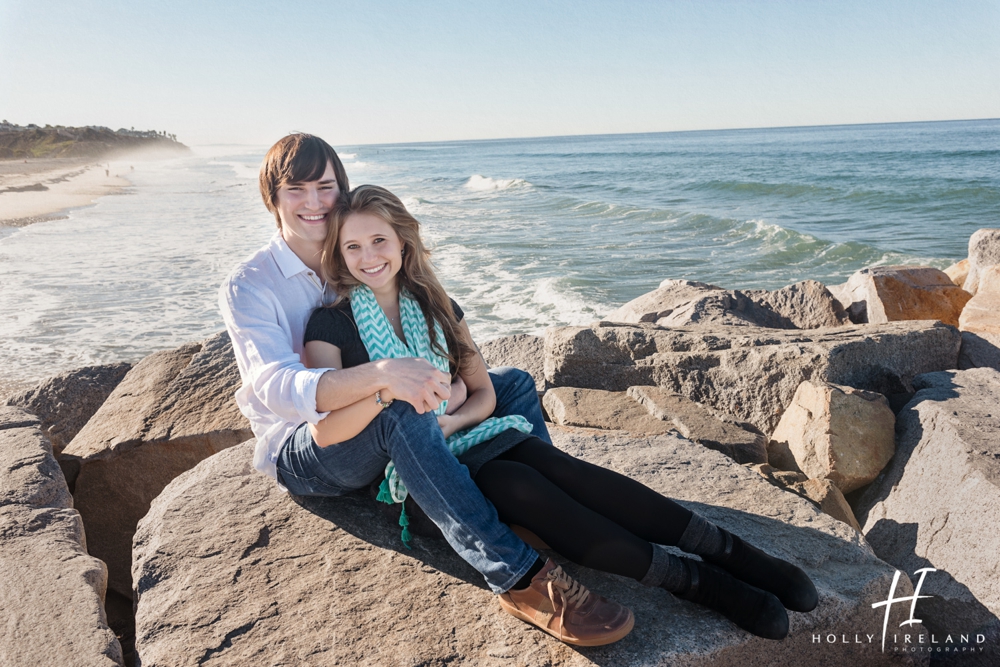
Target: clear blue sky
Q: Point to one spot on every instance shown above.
(355, 72)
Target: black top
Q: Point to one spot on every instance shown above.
(335, 325)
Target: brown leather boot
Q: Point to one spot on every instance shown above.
(565, 609)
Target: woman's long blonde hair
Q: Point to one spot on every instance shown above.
(416, 274)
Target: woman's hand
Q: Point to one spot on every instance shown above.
(449, 425)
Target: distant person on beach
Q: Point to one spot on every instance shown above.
(375, 400)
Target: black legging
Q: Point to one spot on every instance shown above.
(593, 516)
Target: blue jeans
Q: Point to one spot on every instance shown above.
(432, 475)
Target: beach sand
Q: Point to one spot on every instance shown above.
(39, 190)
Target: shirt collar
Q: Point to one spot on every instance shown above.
(285, 258)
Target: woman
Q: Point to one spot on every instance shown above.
(392, 303)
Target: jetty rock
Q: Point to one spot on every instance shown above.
(958, 272)
(834, 432)
(522, 351)
(650, 411)
(747, 372)
(882, 294)
(282, 580)
(173, 409)
(51, 591)
(980, 323)
(65, 403)
(679, 303)
(937, 504)
(984, 251)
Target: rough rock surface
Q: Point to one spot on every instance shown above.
(958, 272)
(51, 590)
(749, 373)
(173, 409)
(681, 303)
(984, 250)
(651, 410)
(882, 294)
(979, 350)
(66, 402)
(520, 351)
(937, 504)
(738, 440)
(982, 313)
(834, 432)
(821, 491)
(661, 302)
(302, 581)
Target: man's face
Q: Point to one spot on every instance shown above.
(302, 208)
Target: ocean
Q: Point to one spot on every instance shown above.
(526, 233)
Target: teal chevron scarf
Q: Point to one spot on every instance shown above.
(382, 343)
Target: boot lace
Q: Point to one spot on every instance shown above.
(567, 590)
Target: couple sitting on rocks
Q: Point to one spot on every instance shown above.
(356, 366)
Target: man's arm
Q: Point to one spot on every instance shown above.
(278, 377)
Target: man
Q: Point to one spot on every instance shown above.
(266, 302)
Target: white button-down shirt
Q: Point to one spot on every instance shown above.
(266, 303)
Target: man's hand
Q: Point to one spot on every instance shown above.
(459, 392)
(416, 382)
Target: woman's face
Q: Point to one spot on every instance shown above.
(371, 250)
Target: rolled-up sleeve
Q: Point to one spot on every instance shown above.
(271, 368)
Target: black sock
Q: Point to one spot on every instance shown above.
(667, 571)
(525, 581)
(702, 538)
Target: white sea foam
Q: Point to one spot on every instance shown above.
(347, 156)
(242, 170)
(486, 183)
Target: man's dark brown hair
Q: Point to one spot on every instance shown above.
(298, 158)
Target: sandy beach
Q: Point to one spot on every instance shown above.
(39, 190)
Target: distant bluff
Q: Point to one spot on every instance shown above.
(32, 141)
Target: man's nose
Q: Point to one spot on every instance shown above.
(312, 198)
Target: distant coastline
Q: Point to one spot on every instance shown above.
(93, 141)
(45, 171)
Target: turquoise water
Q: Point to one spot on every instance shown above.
(527, 233)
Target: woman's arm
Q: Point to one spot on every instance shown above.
(344, 423)
(482, 399)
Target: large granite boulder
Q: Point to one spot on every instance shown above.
(834, 432)
(681, 303)
(749, 373)
(51, 591)
(984, 251)
(173, 409)
(285, 581)
(958, 272)
(823, 492)
(64, 403)
(982, 312)
(979, 350)
(937, 504)
(882, 294)
(520, 351)
(651, 410)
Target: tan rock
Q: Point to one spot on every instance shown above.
(287, 581)
(520, 351)
(661, 302)
(682, 303)
(651, 410)
(51, 591)
(738, 440)
(834, 432)
(958, 272)
(749, 373)
(594, 408)
(822, 492)
(173, 409)
(66, 402)
(982, 312)
(984, 251)
(882, 294)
